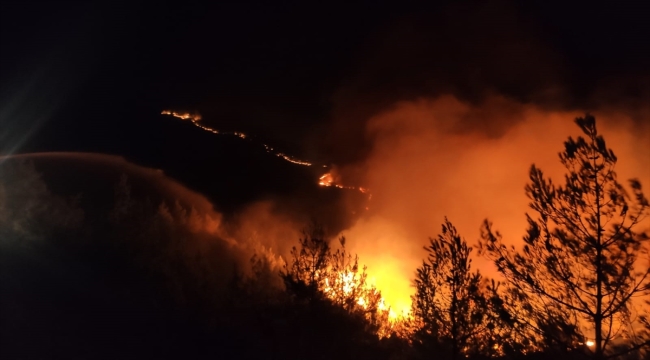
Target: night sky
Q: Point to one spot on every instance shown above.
(74, 75)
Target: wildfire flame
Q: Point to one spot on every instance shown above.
(348, 283)
(196, 117)
(183, 115)
(327, 179)
(344, 280)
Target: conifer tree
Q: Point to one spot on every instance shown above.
(449, 303)
(585, 253)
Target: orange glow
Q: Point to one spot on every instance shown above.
(440, 157)
(327, 179)
(293, 160)
(388, 273)
(347, 283)
(183, 115)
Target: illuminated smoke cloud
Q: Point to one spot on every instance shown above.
(443, 115)
(437, 157)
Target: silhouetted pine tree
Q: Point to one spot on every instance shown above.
(582, 257)
(305, 276)
(449, 304)
(334, 311)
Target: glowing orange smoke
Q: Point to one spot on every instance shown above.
(440, 157)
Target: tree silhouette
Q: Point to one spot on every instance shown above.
(346, 285)
(519, 329)
(582, 254)
(318, 273)
(336, 313)
(449, 302)
(306, 274)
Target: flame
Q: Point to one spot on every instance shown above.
(386, 276)
(293, 160)
(417, 140)
(183, 115)
(427, 162)
(348, 283)
(196, 117)
(327, 179)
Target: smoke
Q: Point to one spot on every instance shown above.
(444, 112)
(168, 226)
(473, 50)
(260, 224)
(96, 248)
(441, 114)
(25, 200)
(442, 156)
(467, 50)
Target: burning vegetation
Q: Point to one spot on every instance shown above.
(196, 117)
(579, 285)
(461, 313)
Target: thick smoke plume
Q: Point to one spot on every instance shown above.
(444, 112)
(147, 212)
(438, 157)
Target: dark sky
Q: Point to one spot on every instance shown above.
(75, 76)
